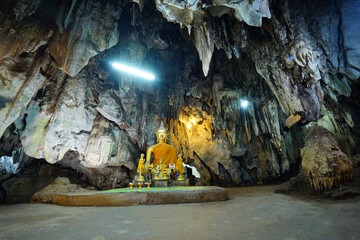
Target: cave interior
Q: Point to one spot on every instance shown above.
(251, 92)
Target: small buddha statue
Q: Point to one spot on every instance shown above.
(141, 168)
(163, 170)
(180, 168)
(161, 150)
(162, 165)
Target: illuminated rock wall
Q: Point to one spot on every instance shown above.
(231, 145)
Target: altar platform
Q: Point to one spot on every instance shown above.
(142, 196)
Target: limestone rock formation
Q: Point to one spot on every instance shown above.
(21, 78)
(31, 46)
(349, 12)
(288, 53)
(324, 165)
(20, 190)
(51, 131)
(195, 15)
(59, 185)
(61, 98)
(85, 28)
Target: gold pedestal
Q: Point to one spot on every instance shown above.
(140, 179)
(164, 176)
(181, 178)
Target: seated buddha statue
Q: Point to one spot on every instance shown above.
(162, 171)
(161, 150)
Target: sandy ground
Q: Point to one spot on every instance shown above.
(251, 213)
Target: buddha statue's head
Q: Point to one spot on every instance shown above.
(161, 134)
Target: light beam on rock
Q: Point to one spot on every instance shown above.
(133, 71)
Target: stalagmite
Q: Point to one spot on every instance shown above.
(324, 165)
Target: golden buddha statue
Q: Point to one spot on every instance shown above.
(164, 171)
(162, 150)
(141, 168)
(159, 170)
(180, 168)
(164, 161)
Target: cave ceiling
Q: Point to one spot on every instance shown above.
(66, 103)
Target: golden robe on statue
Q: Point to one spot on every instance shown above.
(165, 152)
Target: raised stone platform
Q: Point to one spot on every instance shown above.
(143, 196)
(161, 183)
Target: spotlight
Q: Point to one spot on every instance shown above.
(133, 71)
(189, 125)
(244, 103)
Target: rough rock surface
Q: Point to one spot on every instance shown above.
(350, 29)
(32, 46)
(195, 15)
(324, 165)
(298, 51)
(299, 186)
(20, 80)
(59, 185)
(85, 28)
(20, 189)
(54, 127)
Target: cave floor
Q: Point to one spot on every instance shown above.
(251, 213)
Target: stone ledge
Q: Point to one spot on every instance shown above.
(190, 195)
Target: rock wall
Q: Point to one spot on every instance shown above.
(69, 106)
(85, 28)
(38, 37)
